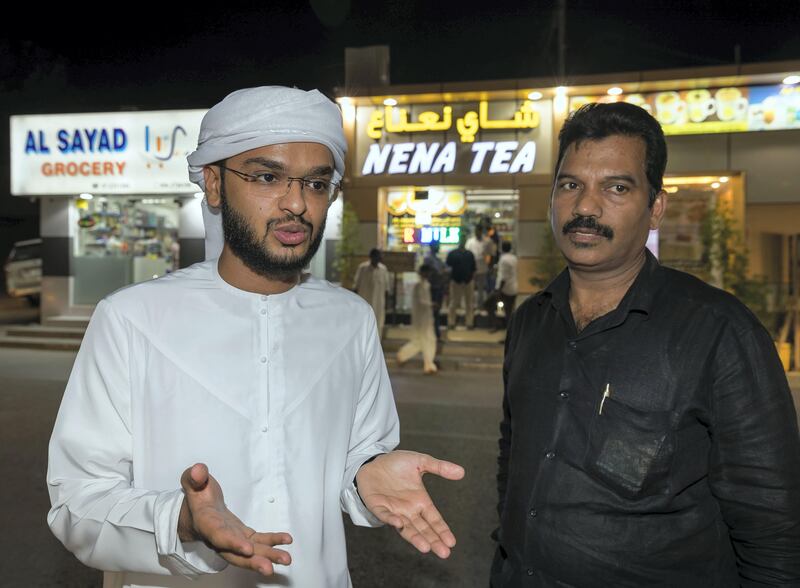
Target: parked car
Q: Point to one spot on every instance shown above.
(24, 270)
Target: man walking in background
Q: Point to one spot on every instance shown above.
(438, 280)
(461, 262)
(506, 284)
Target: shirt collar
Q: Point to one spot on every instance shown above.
(274, 298)
(639, 296)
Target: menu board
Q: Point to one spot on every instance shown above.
(715, 110)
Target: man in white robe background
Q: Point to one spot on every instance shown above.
(272, 383)
(371, 282)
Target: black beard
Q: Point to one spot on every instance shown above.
(252, 251)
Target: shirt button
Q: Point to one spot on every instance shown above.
(533, 513)
(263, 311)
(564, 395)
(550, 455)
(263, 298)
(270, 499)
(573, 345)
(264, 429)
(530, 571)
(263, 359)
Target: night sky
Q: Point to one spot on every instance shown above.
(167, 56)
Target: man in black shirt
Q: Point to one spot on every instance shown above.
(649, 436)
(462, 266)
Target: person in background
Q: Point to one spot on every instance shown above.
(371, 282)
(481, 248)
(423, 338)
(493, 235)
(461, 262)
(506, 284)
(438, 280)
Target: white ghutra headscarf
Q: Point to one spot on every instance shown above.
(257, 117)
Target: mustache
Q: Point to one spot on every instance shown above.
(588, 222)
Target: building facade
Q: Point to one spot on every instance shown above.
(429, 162)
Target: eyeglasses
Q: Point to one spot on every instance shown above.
(276, 185)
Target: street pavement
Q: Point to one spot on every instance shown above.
(451, 415)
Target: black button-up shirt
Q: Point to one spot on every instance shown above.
(657, 447)
(462, 265)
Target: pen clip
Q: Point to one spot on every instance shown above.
(606, 394)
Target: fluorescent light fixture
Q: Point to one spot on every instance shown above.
(390, 102)
(694, 180)
(560, 101)
(615, 91)
(791, 80)
(724, 179)
(345, 101)
(86, 196)
(496, 215)
(535, 95)
(715, 185)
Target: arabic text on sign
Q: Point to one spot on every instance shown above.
(395, 120)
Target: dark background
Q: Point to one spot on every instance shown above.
(122, 56)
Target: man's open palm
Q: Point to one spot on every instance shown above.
(204, 517)
(392, 489)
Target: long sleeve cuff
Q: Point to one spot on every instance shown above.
(350, 499)
(187, 559)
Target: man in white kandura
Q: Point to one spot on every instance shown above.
(371, 282)
(422, 334)
(271, 383)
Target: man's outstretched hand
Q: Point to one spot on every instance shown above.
(204, 517)
(392, 489)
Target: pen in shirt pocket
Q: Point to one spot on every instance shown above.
(606, 394)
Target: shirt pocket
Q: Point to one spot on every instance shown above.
(630, 450)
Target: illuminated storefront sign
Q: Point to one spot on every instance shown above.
(109, 153)
(425, 216)
(501, 137)
(715, 110)
(428, 235)
(507, 157)
(395, 120)
(434, 201)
